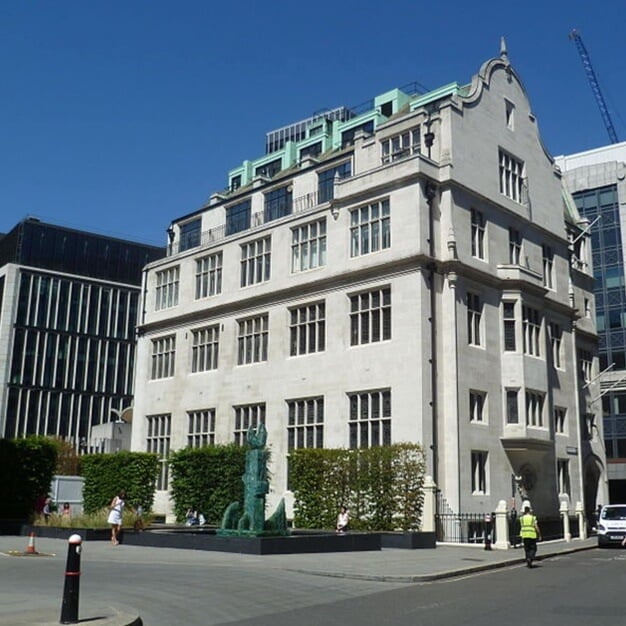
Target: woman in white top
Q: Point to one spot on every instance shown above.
(116, 516)
(343, 520)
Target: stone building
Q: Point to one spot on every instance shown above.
(398, 273)
(68, 312)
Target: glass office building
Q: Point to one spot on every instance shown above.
(596, 180)
(68, 312)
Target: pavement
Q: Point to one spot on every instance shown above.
(388, 565)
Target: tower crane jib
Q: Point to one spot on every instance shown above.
(576, 37)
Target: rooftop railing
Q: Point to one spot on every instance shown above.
(301, 204)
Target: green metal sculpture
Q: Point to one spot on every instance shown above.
(252, 523)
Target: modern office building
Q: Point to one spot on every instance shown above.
(68, 313)
(597, 180)
(402, 274)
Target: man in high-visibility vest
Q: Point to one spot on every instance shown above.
(530, 533)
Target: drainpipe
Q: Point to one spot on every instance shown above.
(430, 192)
(581, 484)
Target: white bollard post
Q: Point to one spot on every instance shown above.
(430, 505)
(564, 511)
(502, 527)
(582, 522)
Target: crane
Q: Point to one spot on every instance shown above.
(576, 37)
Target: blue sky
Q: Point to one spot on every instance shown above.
(119, 116)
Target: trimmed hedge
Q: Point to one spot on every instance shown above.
(26, 470)
(207, 479)
(107, 474)
(382, 487)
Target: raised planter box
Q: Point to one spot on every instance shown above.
(57, 532)
(11, 526)
(409, 540)
(294, 544)
(299, 542)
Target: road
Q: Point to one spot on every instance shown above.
(192, 588)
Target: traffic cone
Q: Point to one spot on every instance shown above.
(30, 549)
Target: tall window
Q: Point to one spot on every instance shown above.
(313, 150)
(477, 406)
(586, 363)
(560, 420)
(555, 343)
(252, 340)
(307, 329)
(512, 409)
(474, 314)
(515, 246)
(563, 476)
(158, 442)
(269, 169)
(548, 266)
(370, 316)
(190, 234)
(326, 180)
(478, 234)
(534, 408)
(209, 275)
(238, 217)
(479, 472)
(308, 246)
(531, 328)
(401, 146)
(370, 419)
(305, 424)
(509, 111)
(511, 177)
(200, 428)
(167, 288)
(508, 318)
(347, 136)
(278, 203)
(255, 261)
(163, 357)
(235, 182)
(205, 348)
(370, 228)
(247, 416)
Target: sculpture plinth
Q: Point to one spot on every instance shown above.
(252, 522)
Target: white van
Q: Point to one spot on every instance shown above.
(612, 525)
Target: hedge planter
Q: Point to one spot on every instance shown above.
(408, 540)
(57, 532)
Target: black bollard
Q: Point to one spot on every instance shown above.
(69, 608)
(488, 530)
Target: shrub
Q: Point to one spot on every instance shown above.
(382, 487)
(97, 519)
(26, 472)
(107, 474)
(208, 479)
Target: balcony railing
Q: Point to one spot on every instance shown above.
(301, 204)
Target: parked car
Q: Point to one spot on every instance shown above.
(612, 525)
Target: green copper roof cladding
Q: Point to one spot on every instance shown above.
(333, 134)
(447, 90)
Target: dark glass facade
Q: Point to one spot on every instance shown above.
(72, 357)
(59, 249)
(610, 296)
(72, 349)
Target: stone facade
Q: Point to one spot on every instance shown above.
(426, 296)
